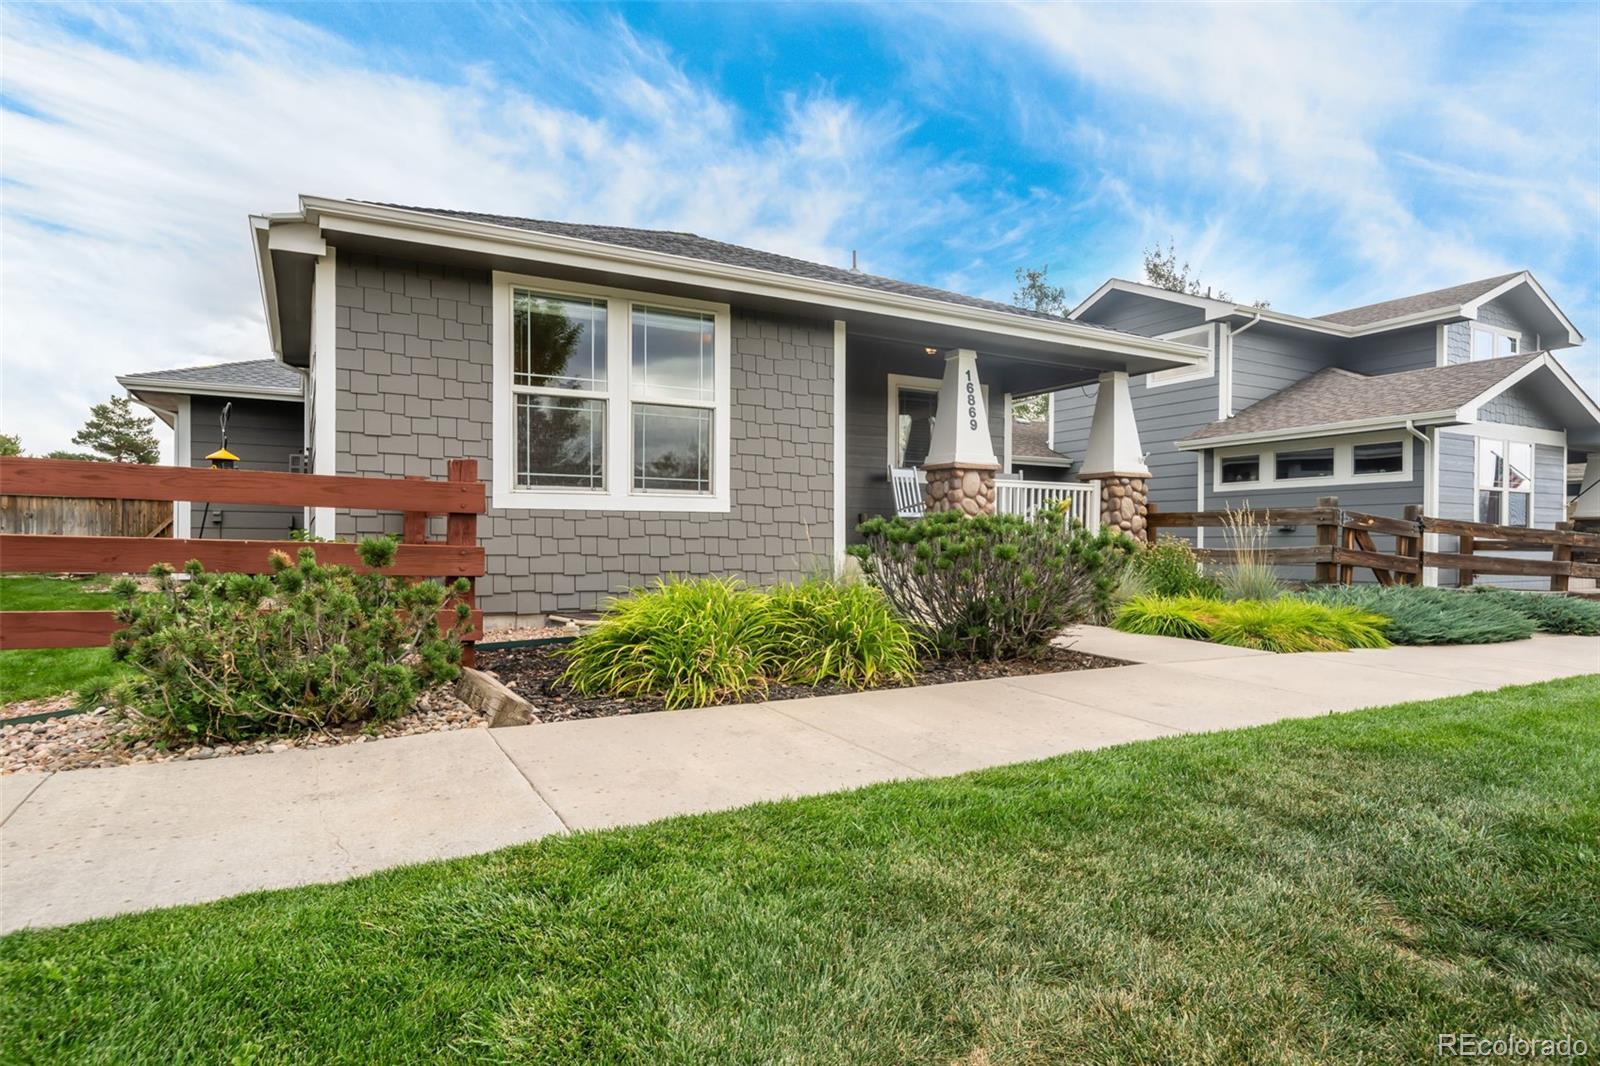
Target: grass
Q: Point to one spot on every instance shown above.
(36, 673)
(1335, 889)
(1284, 624)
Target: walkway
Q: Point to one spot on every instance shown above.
(96, 842)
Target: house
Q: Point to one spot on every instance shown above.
(646, 402)
(1447, 399)
(1030, 456)
(265, 427)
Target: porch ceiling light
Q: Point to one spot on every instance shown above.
(930, 351)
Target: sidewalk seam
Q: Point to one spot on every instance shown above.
(539, 793)
(846, 740)
(31, 793)
(1009, 683)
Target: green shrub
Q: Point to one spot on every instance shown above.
(1550, 613)
(1188, 617)
(1290, 625)
(307, 646)
(1420, 615)
(992, 586)
(691, 642)
(1169, 568)
(1281, 625)
(845, 633)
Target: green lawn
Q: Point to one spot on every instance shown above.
(26, 675)
(1337, 889)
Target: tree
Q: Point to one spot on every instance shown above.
(1035, 292)
(1161, 269)
(10, 444)
(82, 457)
(117, 434)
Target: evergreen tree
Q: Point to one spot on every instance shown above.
(117, 434)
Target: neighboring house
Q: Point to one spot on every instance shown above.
(646, 402)
(1447, 399)
(265, 427)
(1030, 456)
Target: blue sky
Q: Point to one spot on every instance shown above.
(1318, 156)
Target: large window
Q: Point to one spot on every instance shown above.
(1491, 343)
(1505, 482)
(609, 400)
(1353, 460)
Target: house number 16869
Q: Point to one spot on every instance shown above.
(972, 402)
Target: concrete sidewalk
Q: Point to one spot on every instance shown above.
(91, 843)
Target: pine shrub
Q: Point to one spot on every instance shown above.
(304, 647)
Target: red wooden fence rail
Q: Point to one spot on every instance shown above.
(460, 498)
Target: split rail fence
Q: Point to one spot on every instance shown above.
(1344, 544)
(460, 499)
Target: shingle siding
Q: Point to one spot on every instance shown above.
(264, 434)
(415, 368)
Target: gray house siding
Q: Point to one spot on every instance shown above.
(1458, 499)
(414, 371)
(1389, 353)
(1147, 316)
(867, 368)
(1266, 362)
(1457, 343)
(264, 434)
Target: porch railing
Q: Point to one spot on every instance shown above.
(1026, 497)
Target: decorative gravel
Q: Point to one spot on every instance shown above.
(533, 674)
(491, 636)
(104, 737)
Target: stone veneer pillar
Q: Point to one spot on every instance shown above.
(964, 487)
(961, 463)
(1125, 504)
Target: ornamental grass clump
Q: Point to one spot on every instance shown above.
(1251, 575)
(992, 586)
(841, 633)
(225, 657)
(1421, 615)
(690, 642)
(1281, 625)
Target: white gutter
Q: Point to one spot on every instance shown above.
(1326, 429)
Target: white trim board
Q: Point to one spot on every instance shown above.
(182, 449)
(1343, 463)
(618, 496)
(323, 383)
(840, 403)
(1199, 372)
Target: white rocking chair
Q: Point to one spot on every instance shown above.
(907, 484)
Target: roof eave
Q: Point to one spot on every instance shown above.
(379, 222)
(133, 382)
(1326, 429)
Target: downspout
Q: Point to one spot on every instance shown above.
(1428, 539)
(1232, 333)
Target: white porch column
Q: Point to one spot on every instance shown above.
(1587, 509)
(961, 463)
(1115, 458)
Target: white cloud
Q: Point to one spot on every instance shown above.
(131, 166)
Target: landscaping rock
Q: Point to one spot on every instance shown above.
(498, 703)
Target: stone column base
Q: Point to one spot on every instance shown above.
(1125, 505)
(964, 487)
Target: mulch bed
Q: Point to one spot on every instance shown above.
(533, 672)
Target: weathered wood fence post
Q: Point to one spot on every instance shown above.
(1328, 537)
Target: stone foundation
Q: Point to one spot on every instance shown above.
(1125, 505)
(967, 487)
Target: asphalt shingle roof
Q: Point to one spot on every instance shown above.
(694, 246)
(252, 373)
(1335, 396)
(1454, 296)
(1031, 440)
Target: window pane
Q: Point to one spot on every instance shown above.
(673, 354)
(915, 425)
(558, 342)
(1295, 465)
(1519, 466)
(1385, 458)
(671, 448)
(1519, 508)
(560, 442)
(1506, 345)
(1489, 505)
(1491, 464)
(1482, 344)
(1241, 468)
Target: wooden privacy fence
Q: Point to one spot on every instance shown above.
(88, 518)
(1344, 543)
(460, 498)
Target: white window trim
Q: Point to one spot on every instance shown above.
(1506, 491)
(1515, 337)
(1198, 372)
(1343, 462)
(619, 494)
(896, 382)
